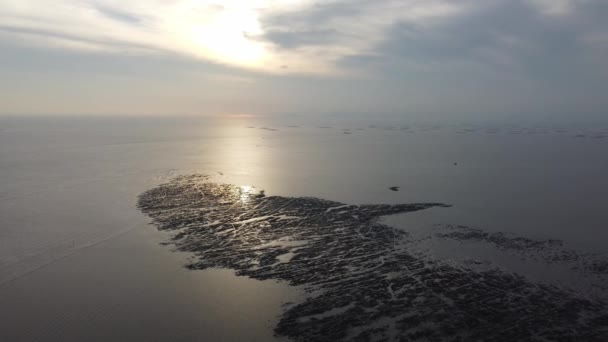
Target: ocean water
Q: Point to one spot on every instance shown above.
(79, 261)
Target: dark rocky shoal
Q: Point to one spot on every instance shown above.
(593, 266)
(550, 251)
(362, 282)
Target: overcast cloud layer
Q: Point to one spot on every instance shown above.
(481, 56)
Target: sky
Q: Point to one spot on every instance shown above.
(545, 59)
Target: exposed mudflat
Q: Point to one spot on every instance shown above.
(363, 281)
(548, 251)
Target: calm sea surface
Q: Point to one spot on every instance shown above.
(78, 261)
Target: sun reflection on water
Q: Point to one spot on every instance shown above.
(245, 192)
(243, 155)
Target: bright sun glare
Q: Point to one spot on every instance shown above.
(227, 35)
(245, 192)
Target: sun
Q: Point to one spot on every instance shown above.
(227, 36)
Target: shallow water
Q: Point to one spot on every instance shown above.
(74, 248)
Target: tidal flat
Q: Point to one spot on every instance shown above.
(80, 262)
(363, 281)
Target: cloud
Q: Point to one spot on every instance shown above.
(330, 31)
(286, 36)
(323, 37)
(196, 29)
(443, 53)
(554, 7)
(117, 14)
(561, 44)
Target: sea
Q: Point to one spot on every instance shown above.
(80, 262)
